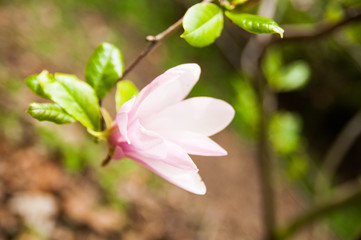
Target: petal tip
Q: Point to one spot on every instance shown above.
(202, 190)
(189, 67)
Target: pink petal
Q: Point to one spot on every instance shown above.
(190, 181)
(169, 88)
(198, 144)
(179, 158)
(149, 144)
(203, 115)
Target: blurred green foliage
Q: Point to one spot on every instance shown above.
(285, 133)
(281, 77)
(346, 223)
(246, 105)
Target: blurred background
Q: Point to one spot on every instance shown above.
(51, 182)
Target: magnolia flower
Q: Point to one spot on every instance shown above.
(158, 128)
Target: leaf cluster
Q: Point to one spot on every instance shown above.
(203, 23)
(75, 100)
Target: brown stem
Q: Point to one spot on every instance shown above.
(251, 60)
(322, 29)
(106, 160)
(265, 157)
(153, 42)
(337, 151)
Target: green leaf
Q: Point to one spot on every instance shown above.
(202, 24)
(104, 68)
(254, 23)
(51, 112)
(75, 96)
(33, 83)
(125, 91)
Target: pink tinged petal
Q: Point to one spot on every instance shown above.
(122, 119)
(179, 158)
(190, 181)
(203, 115)
(149, 144)
(167, 89)
(198, 144)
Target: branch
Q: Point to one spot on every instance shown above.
(153, 42)
(251, 63)
(336, 153)
(342, 144)
(320, 211)
(322, 29)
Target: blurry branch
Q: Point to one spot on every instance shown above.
(251, 61)
(153, 42)
(321, 210)
(339, 148)
(322, 29)
(343, 142)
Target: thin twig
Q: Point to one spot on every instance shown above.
(334, 156)
(265, 157)
(106, 160)
(153, 42)
(310, 32)
(321, 210)
(322, 29)
(341, 145)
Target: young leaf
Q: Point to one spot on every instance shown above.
(254, 23)
(104, 68)
(125, 91)
(75, 96)
(49, 112)
(33, 84)
(202, 24)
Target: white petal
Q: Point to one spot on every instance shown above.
(198, 144)
(178, 157)
(169, 88)
(149, 144)
(202, 115)
(190, 181)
